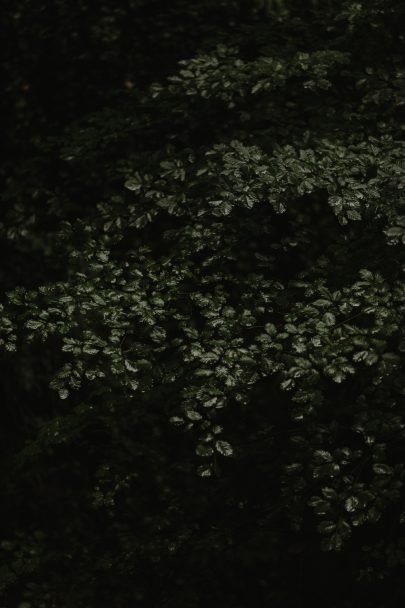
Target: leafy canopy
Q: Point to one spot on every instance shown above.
(221, 319)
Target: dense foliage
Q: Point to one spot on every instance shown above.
(203, 304)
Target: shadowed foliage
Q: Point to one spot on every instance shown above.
(202, 230)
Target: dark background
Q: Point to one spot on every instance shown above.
(72, 74)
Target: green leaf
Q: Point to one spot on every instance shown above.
(177, 420)
(224, 448)
(204, 471)
(321, 456)
(193, 415)
(326, 527)
(204, 450)
(382, 469)
(329, 319)
(351, 504)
